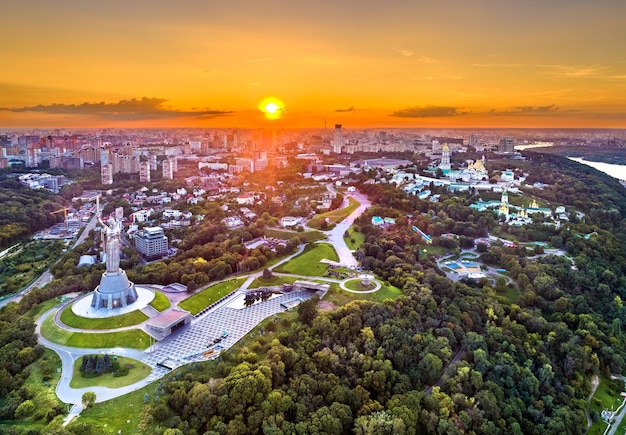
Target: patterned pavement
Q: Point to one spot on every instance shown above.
(189, 343)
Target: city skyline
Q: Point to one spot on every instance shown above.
(361, 64)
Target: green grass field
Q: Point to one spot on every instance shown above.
(129, 319)
(123, 414)
(53, 333)
(341, 297)
(25, 263)
(196, 303)
(133, 338)
(511, 294)
(160, 301)
(305, 236)
(275, 280)
(430, 250)
(38, 309)
(128, 413)
(137, 372)
(41, 392)
(355, 284)
(334, 216)
(387, 291)
(606, 397)
(308, 262)
(358, 238)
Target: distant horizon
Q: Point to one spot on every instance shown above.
(329, 128)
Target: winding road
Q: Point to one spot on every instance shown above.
(335, 235)
(69, 355)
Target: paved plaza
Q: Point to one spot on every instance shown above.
(189, 344)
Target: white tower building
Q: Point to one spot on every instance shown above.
(338, 139)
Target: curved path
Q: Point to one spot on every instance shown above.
(198, 327)
(335, 235)
(622, 411)
(377, 286)
(595, 381)
(70, 354)
(441, 379)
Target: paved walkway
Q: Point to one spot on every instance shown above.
(377, 286)
(183, 347)
(621, 411)
(335, 235)
(191, 342)
(595, 381)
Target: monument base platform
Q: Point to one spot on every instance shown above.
(83, 308)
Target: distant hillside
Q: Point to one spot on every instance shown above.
(23, 212)
(613, 155)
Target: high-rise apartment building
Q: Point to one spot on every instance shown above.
(151, 243)
(168, 169)
(106, 173)
(338, 139)
(144, 172)
(506, 145)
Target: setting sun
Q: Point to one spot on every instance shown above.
(272, 107)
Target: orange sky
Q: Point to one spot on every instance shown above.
(366, 63)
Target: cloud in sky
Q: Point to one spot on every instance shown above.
(404, 52)
(428, 112)
(349, 109)
(133, 109)
(530, 111)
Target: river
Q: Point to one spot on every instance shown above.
(615, 171)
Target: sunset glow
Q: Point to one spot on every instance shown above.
(406, 64)
(272, 107)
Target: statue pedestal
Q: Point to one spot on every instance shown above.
(114, 291)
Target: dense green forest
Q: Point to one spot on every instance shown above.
(26, 263)
(446, 357)
(369, 367)
(24, 211)
(606, 154)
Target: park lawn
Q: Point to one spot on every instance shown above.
(127, 414)
(358, 238)
(135, 374)
(431, 250)
(53, 333)
(305, 236)
(160, 301)
(196, 303)
(38, 309)
(387, 291)
(275, 280)
(23, 265)
(334, 216)
(41, 392)
(119, 415)
(511, 294)
(308, 262)
(341, 297)
(133, 338)
(607, 396)
(129, 319)
(355, 285)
